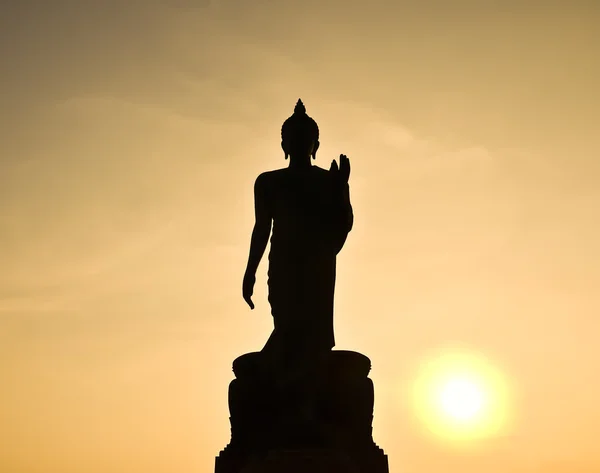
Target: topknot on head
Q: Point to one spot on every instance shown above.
(299, 124)
(299, 109)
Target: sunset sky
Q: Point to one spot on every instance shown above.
(131, 134)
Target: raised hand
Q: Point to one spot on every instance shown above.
(344, 168)
(248, 288)
(343, 171)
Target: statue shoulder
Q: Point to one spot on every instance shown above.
(267, 179)
(324, 175)
(322, 172)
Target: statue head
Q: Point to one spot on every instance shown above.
(300, 134)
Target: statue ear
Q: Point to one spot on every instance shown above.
(315, 148)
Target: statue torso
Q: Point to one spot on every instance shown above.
(301, 205)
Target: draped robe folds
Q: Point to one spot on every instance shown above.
(312, 216)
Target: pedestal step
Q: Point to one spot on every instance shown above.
(302, 461)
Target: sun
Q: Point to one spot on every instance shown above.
(460, 397)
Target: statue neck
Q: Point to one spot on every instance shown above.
(300, 162)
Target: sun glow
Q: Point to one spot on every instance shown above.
(460, 397)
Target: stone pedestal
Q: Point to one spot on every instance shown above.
(336, 437)
(302, 461)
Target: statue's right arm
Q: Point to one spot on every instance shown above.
(262, 225)
(344, 210)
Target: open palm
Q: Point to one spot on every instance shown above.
(343, 171)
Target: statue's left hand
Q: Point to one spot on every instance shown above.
(343, 171)
(248, 288)
(344, 168)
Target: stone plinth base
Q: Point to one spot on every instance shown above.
(305, 460)
(267, 435)
(302, 461)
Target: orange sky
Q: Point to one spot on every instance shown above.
(131, 137)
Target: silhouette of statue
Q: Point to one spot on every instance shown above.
(308, 209)
(298, 405)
